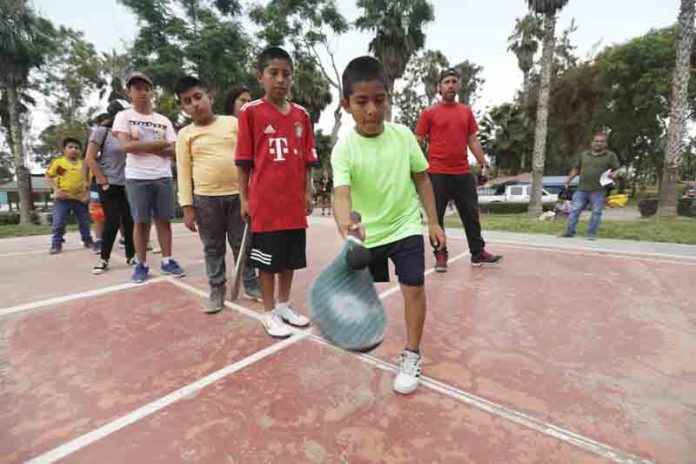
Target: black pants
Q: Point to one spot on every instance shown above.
(461, 188)
(116, 212)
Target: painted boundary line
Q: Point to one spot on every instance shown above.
(75, 296)
(587, 251)
(87, 439)
(495, 409)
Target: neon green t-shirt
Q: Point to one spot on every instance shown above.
(378, 172)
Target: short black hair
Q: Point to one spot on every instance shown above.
(233, 96)
(68, 140)
(272, 53)
(186, 83)
(361, 69)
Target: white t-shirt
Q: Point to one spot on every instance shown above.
(145, 128)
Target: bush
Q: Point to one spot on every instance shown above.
(510, 208)
(647, 207)
(686, 207)
(9, 218)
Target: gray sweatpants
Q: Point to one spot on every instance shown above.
(218, 218)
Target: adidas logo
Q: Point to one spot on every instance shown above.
(269, 130)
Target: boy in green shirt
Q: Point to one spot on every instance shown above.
(380, 172)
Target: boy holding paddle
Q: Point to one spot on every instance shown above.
(380, 172)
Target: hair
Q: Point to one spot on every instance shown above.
(233, 96)
(272, 53)
(447, 73)
(68, 140)
(186, 83)
(600, 133)
(364, 68)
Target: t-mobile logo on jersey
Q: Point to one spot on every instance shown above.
(278, 146)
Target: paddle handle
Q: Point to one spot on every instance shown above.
(355, 216)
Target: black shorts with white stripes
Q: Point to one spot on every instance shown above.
(279, 250)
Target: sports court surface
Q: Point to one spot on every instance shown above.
(561, 355)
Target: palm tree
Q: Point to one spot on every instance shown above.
(25, 41)
(678, 111)
(398, 27)
(548, 8)
(524, 43)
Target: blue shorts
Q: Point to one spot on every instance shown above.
(151, 198)
(408, 256)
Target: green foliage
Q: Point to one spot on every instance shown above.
(505, 137)
(398, 28)
(323, 145)
(509, 208)
(546, 6)
(524, 41)
(310, 89)
(471, 80)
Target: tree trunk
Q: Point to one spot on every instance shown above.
(337, 125)
(535, 206)
(667, 205)
(26, 203)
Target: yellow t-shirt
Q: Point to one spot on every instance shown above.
(205, 159)
(67, 175)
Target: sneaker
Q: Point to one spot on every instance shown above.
(566, 235)
(55, 249)
(96, 247)
(485, 259)
(441, 260)
(88, 243)
(289, 315)
(172, 268)
(100, 267)
(592, 237)
(132, 261)
(216, 300)
(275, 326)
(408, 378)
(140, 273)
(253, 292)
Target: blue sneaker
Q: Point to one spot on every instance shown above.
(140, 273)
(172, 268)
(96, 247)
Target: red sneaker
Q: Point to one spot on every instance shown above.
(485, 259)
(441, 260)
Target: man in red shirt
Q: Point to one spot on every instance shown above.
(275, 156)
(451, 129)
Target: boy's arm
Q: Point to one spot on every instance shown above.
(309, 190)
(91, 163)
(135, 147)
(427, 197)
(476, 148)
(244, 175)
(184, 181)
(342, 208)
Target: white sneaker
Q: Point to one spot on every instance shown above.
(275, 326)
(408, 378)
(289, 315)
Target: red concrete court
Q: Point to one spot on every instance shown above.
(559, 355)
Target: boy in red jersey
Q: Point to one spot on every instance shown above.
(275, 156)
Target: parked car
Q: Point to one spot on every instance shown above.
(515, 193)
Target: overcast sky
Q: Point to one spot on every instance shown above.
(463, 29)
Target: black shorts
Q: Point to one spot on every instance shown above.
(279, 250)
(408, 257)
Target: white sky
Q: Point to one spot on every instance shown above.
(463, 29)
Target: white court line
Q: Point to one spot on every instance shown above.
(588, 251)
(105, 430)
(75, 296)
(36, 252)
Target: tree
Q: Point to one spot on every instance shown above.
(470, 80)
(310, 27)
(504, 136)
(25, 41)
(548, 8)
(524, 43)
(398, 28)
(679, 110)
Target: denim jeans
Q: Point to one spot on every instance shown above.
(61, 211)
(580, 199)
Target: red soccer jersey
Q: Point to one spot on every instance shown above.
(448, 128)
(279, 147)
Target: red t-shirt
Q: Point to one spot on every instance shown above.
(448, 128)
(279, 147)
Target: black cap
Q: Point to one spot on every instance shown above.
(449, 72)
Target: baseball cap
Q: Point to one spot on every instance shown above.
(137, 75)
(449, 72)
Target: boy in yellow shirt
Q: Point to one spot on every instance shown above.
(67, 177)
(209, 187)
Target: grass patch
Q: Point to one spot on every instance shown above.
(25, 230)
(655, 229)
